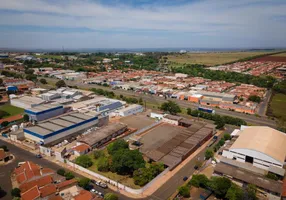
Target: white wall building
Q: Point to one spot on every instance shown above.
(130, 110)
(261, 146)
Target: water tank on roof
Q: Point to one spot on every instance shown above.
(12, 88)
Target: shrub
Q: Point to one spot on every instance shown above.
(226, 136)
(110, 196)
(84, 161)
(16, 192)
(209, 154)
(69, 175)
(84, 182)
(199, 180)
(103, 164)
(272, 176)
(184, 191)
(98, 153)
(61, 172)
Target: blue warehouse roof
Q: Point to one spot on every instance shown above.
(59, 124)
(43, 108)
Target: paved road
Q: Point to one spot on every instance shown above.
(184, 104)
(264, 104)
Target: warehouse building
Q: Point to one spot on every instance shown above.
(262, 147)
(44, 111)
(56, 129)
(130, 110)
(26, 102)
(185, 142)
(218, 97)
(103, 135)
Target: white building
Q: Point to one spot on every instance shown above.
(261, 146)
(130, 110)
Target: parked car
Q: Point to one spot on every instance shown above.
(103, 185)
(39, 156)
(185, 178)
(93, 191)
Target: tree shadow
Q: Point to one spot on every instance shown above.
(2, 193)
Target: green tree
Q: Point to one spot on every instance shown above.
(4, 147)
(254, 98)
(1, 81)
(171, 107)
(31, 77)
(110, 196)
(219, 123)
(189, 111)
(199, 180)
(116, 146)
(142, 176)
(209, 154)
(61, 172)
(272, 176)
(219, 186)
(84, 161)
(227, 136)
(84, 182)
(69, 175)
(184, 191)
(126, 161)
(16, 192)
(251, 192)
(103, 164)
(43, 81)
(4, 124)
(60, 83)
(234, 192)
(29, 71)
(98, 153)
(140, 101)
(26, 118)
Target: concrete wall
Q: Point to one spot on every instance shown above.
(169, 121)
(112, 182)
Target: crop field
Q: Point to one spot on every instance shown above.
(212, 58)
(280, 55)
(278, 106)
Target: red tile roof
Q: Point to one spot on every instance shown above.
(2, 154)
(48, 190)
(47, 171)
(27, 171)
(31, 194)
(38, 182)
(66, 183)
(81, 147)
(83, 195)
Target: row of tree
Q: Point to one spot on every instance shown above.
(200, 71)
(222, 188)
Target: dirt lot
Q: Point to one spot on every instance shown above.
(153, 138)
(138, 121)
(213, 58)
(273, 58)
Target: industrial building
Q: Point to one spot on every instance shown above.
(104, 134)
(26, 102)
(56, 129)
(218, 97)
(130, 110)
(260, 146)
(99, 104)
(183, 143)
(44, 111)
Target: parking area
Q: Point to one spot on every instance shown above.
(138, 121)
(155, 137)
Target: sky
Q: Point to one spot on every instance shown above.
(142, 24)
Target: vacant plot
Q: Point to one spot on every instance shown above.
(11, 110)
(280, 55)
(278, 106)
(157, 136)
(125, 180)
(138, 121)
(213, 58)
(271, 58)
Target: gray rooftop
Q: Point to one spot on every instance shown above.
(55, 124)
(43, 107)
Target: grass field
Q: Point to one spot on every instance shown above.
(11, 110)
(278, 106)
(280, 54)
(213, 58)
(125, 180)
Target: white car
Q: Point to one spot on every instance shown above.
(93, 191)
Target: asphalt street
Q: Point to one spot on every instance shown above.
(184, 104)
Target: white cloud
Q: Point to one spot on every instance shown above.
(249, 19)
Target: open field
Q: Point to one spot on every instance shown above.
(278, 105)
(125, 180)
(11, 110)
(213, 58)
(280, 55)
